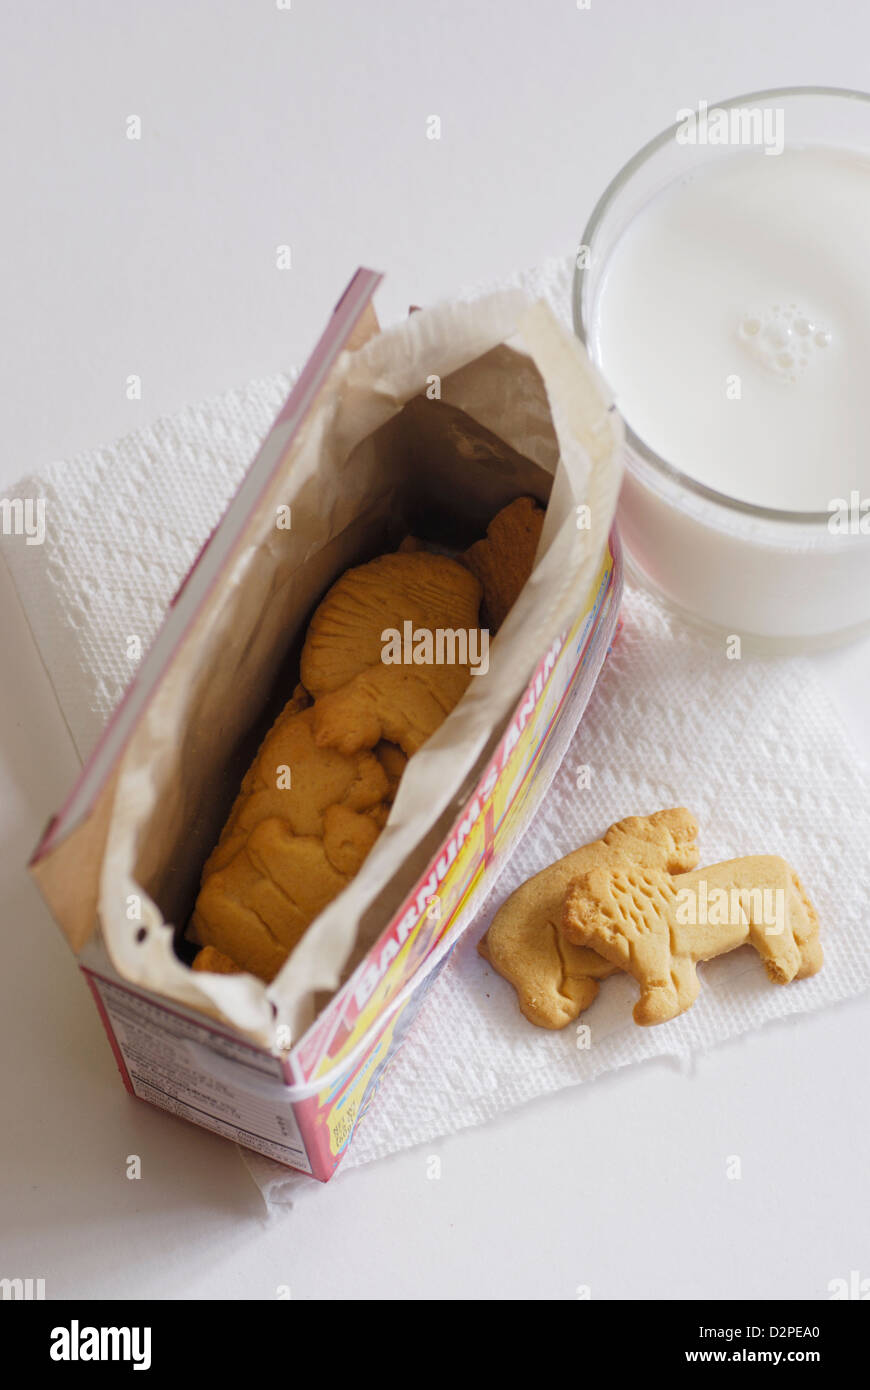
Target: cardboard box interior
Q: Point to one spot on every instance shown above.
(442, 477)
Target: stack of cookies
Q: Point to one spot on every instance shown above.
(320, 789)
(634, 901)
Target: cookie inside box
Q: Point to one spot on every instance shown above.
(431, 472)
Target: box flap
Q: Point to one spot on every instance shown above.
(67, 861)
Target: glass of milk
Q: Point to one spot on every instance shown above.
(723, 290)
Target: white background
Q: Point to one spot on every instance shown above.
(157, 257)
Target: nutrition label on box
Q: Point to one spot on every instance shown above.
(202, 1074)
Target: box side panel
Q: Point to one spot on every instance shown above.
(536, 748)
(200, 1072)
(495, 815)
(328, 1120)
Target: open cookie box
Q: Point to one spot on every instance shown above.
(299, 1102)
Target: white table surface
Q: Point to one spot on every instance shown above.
(306, 127)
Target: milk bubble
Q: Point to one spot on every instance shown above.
(783, 340)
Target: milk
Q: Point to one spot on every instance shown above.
(732, 321)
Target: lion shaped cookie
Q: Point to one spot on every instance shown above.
(361, 697)
(657, 926)
(555, 979)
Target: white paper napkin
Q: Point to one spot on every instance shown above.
(123, 525)
(753, 747)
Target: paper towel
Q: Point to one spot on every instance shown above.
(123, 526)
(753, 747)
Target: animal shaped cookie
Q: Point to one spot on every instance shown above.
(301, 826)
(554, 978)
(504, 559)
(657, 926)
(312, 780)
(360, 697)
(256, 908)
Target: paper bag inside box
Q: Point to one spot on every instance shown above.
(428, 428)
